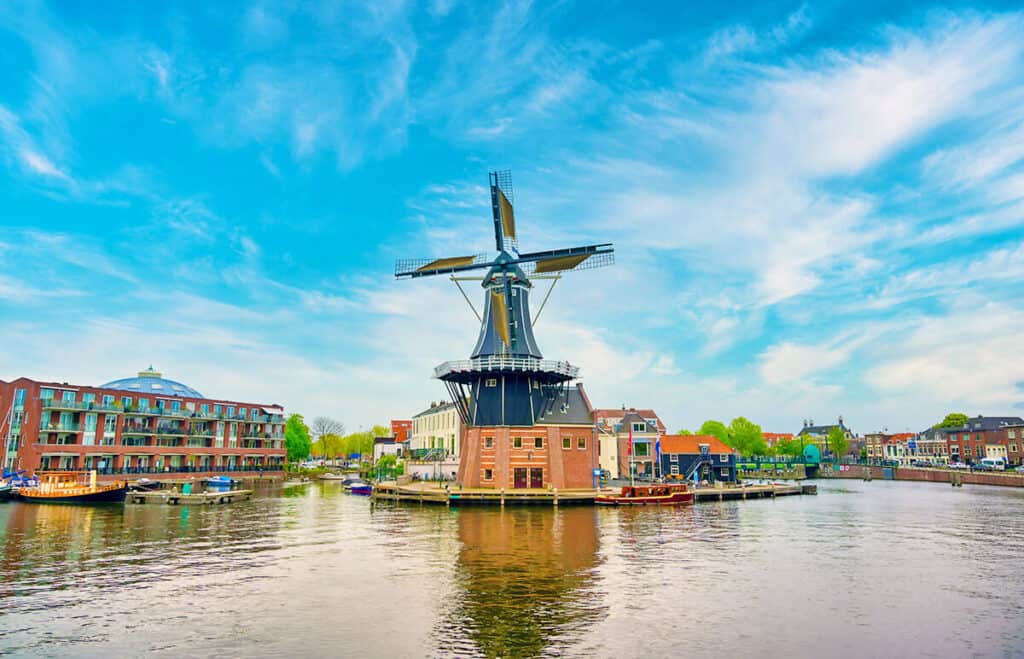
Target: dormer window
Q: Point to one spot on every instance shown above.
(639, 426)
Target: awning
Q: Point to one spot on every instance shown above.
(272, 410)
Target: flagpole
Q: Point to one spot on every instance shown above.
(631, 470)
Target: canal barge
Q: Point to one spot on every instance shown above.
(660, 494)
(73, 487)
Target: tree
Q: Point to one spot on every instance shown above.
(329, 446)
(837, 442)
(684, 431)
(296, 438)
(953, 420)
(716, 428)
(789, 447)
(323, 425)
(361, 442)
(746, 437)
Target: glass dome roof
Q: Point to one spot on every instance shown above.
(152, 382)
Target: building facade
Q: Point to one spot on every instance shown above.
(401, 430)
(436, 433)
(703, 456)
(968, 443)
(1013, 438)
(614, 427)
(818, 435)
(140, 425)
(559, 451)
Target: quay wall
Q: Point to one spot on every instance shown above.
(930, 475)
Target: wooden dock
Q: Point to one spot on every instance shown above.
(432, 493)
(172, 498)
(767, 491)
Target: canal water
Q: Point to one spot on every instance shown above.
(879, 569)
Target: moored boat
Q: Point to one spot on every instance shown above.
(658, 494)
(221, 480)
(144, 485)
(73, 487)
(360, 487)
(328, 476)
(7, 491)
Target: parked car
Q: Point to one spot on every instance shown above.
(1020, 469)
(957, 465)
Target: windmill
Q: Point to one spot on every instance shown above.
(506, 381)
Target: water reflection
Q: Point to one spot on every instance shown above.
(524, 578)
(325, 574)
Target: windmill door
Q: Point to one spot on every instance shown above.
(536, 478)
(519, 477)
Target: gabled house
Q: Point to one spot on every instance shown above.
(708, 456)
(617, 456)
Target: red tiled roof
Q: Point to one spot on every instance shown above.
(691, 444)
(619, 413)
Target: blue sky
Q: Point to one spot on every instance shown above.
(817, 208)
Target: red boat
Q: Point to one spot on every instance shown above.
(660, 494)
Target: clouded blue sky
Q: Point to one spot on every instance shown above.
(818, 208)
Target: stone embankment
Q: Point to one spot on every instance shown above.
(1005, 479)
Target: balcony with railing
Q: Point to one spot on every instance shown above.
(172, 414)
(78, 405)
(59, 427)
(58, 440)
(171, 430)
(136, 429)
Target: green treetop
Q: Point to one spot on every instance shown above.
(296, 438)
(953, 420)
(746, 437)
(837, 442)
(716, 428)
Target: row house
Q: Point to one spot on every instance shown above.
(436, 433)
(980, 437)
(145, 424)
(628, 439)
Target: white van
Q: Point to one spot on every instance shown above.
(992, 464)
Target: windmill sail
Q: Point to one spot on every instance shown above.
(560, 263)
(508, 217)
(434, 266)
(500, 316)
(439, 264)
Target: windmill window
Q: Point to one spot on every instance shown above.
(536, 385)
(517, 442)
(567, 442)
(488, 474)
(491, 382)
(538, 442)
(488, 442)
(581, 442)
